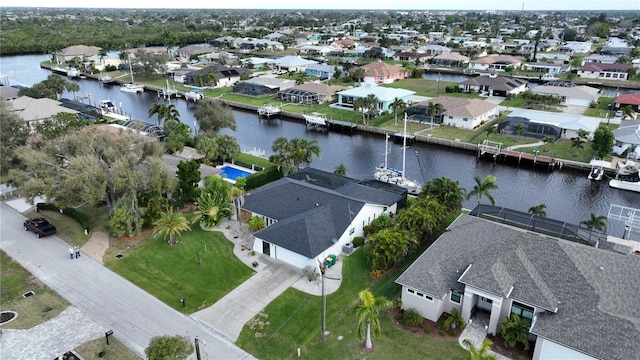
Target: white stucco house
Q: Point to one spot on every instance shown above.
(386, 96)
(568, 124)
(312, 214)
(580, 95)
(457, 112)
(570, 293)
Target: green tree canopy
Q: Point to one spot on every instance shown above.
(213, 115)
(602, 141)
(14, 133)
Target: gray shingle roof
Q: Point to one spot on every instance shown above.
(592, 296)
(312, 208)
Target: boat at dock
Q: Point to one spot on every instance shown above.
(132, 88)
(394, 176)
(168, 92)
(315, 119)
(109, 109)
(268, 110)
(194, 95)
(627, 174)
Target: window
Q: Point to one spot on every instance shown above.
(416, 293)
(523, 311)
(465, 119)
(456, 297)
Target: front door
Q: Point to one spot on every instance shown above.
(266, 248)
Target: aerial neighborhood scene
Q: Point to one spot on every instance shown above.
(362, 180)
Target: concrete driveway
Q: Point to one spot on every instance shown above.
(104, 297)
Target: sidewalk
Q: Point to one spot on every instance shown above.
(272, 278)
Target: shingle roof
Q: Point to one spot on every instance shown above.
(311, 208)
(497, 83)
(461, 106)
(379, 68)
(628, 99)
(592, 295)
(578, 92)
(79, 50)
(620, 68)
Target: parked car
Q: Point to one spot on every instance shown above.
(619, 113)
(40, 226)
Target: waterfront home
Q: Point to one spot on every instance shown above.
(451, 59)
(495, 63)
(580, 95)
(218, 76)
(386, 96)
(76, 51)
(34, 111)
(457, 112)
(261, 86)
(192, 51)
(494, 85)
(579, 301)
(379, 72)
(309, 93)
(575, 47)
(312, 214)
(546, 68)
(596, 58)
(625, 100)
(568, 124)
(604, 71)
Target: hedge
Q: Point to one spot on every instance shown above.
(264, 177)
(79, 217)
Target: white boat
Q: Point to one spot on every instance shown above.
(394, 176)
(549, 77)
(628, 174)
(133, 87)
(268, 110)
(109, 109)
(596, 173)
(194, 95)
(73, 73)
(315, 118)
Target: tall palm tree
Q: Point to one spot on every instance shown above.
(539, 210)
(435, 110)
(367, 312)
(160, 110)
(371, 102)
(483, 188)
(171, 225)
(171, 113)
(73, 87)
(482, 352)
(546, 140)
(491, 130)
(397, 105)
(358, 73)
(360, 105)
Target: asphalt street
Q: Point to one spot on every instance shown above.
(111, 301)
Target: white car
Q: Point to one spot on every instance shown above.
(619, 113)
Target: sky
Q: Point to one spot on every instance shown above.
(352, 4)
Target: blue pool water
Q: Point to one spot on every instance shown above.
(233, 173)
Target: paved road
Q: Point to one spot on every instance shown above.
(113, 302)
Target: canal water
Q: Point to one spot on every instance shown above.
(568, 195)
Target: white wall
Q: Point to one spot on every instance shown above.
(429, 309)
(548, 350)
(459, 122)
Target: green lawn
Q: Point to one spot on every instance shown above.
(172, 272)
(44, 305)
(424, 87)
(294, 321)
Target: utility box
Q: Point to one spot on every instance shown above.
(330, 260)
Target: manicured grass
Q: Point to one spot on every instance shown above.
(171, 272)
(114, 351)
(423, 87)
(255, 160)
(295, 322)
(68, 229)
(44, 305)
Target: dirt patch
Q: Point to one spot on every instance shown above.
(515, 353)
(133, 240)
(428, 327)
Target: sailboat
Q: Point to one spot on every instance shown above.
(394, 176)
(133, 87)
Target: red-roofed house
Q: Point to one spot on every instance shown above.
(382, 73)
(604, 71)
(625, 100)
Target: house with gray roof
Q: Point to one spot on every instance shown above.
(457, 112)
(311, 214)
(568, 124)
(494, 85)
(260, 86)
(580, 95)
(581, 302)
(34, 111)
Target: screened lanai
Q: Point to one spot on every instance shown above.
(531, 129)
(297, 96)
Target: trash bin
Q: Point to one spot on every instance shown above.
(330, 260)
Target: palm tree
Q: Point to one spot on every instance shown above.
(577, 143)
(482, 352)
(397, 105)
(538, 210)
(515, 330)
(454, 320)
(73, 87)
(256, 223)
(340, 170)
(171, 113)
(598, 222)
(627, 111)
(448, 192)
(483, 189)
(519, 130)
(371, 102)
(367, 312)
(360, 104)
(546, 140)
(160, 110)
(435, 110)
(358, 73)
(171, 224)
(102, 53)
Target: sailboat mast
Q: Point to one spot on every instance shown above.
(404, 144)
(386, 149)
(130, 68)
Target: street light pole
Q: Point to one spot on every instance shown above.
(324, 306)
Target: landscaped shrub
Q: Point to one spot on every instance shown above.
(358, 241)
(412, 317)
(427, 330)
(79, 217)
(260, 178)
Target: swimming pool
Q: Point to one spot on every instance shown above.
(232, 173)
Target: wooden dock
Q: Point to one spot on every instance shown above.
(497, 153)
